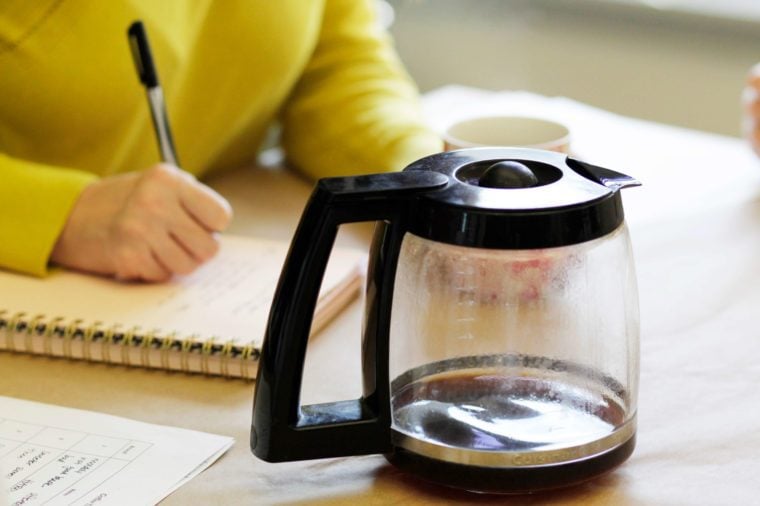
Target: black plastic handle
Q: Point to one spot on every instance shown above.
(282, 430)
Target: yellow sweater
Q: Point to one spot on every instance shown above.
(72, 108)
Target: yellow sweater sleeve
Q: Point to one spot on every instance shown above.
(355, 110)
(36, 201)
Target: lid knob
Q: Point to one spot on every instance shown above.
(508, 174)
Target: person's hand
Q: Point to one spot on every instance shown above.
(751, 99)
(146, 225)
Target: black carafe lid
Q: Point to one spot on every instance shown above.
(516, 198)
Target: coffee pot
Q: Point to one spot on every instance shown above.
(500, 346)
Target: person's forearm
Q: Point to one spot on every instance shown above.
(36, 199)
(355, 109)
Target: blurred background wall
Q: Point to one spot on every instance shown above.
(668, 65)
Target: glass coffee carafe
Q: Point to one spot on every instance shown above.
(500, 341)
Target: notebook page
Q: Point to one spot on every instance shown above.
(229, 297)
(56, 455)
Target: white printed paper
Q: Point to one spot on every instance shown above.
(55, 455)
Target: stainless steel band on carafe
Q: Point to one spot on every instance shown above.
(501, 331)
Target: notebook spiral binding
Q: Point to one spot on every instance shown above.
(19, 330)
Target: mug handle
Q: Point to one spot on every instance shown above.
(281, 429)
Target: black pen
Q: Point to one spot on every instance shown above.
(138, 43)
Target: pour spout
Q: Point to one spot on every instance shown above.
(607, 177)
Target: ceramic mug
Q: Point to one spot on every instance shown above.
(507, 131)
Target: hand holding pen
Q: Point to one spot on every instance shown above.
(146, 225)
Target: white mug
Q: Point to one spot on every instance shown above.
(507, 131)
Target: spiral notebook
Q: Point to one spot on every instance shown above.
(209, 322)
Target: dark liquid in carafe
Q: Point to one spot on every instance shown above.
(539, 424)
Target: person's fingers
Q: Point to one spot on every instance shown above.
(750, 99)
(154, 272)
(751, 105)
(754, 77)
(171, 255)
(194, 238)
(135, 262)
(749, 93)
(207, 207)
(755, 138)
(755, 108)
(146, 225)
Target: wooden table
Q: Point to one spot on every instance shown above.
(695, 226)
